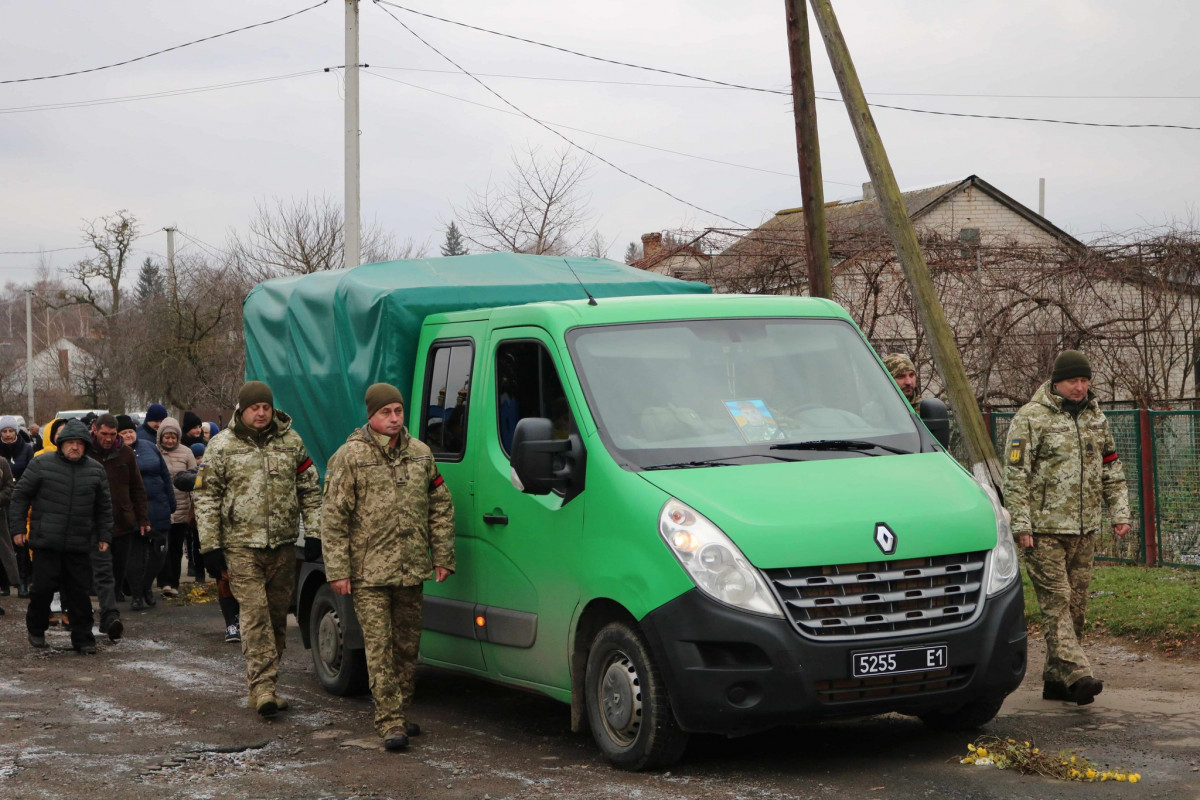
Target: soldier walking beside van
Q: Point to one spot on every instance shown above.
(387, 523)
(1061, 469)
(255, 482)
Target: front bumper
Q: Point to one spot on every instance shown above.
(731, 672)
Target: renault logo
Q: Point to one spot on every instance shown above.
(885, 538)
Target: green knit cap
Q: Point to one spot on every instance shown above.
(255, 392)
(380, 395)
(1070, 364)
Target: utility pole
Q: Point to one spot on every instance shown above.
(808, 149)
(29, 351)
(984, 464)
(352, 231)
(172, 287)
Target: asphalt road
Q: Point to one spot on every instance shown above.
(162, 714)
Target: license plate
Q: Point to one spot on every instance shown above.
(870, 663)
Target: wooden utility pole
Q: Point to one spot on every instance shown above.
(808, 150)
(984, 464)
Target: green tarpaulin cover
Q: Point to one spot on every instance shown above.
(320, 340)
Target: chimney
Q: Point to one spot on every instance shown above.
(651, 244)
(868, 191)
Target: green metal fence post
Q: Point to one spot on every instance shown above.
(1149, 515)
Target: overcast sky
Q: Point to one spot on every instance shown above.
(202, 160)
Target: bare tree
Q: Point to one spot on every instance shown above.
(299, 237)
(100, 275)
(596, 246)
(539, 209)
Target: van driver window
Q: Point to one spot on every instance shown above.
(447, 386)
(527, 385)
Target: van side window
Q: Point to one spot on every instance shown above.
(447, 390)
(527, 385)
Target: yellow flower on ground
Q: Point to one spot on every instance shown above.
(1134, 778)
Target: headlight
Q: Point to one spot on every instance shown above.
(1003, 564)
(713, 562)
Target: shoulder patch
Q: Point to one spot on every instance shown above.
(1016, 452)
(200, 473)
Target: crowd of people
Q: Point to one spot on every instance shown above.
(101, 506)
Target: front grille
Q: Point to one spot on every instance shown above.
(885, 686)
(882, 597)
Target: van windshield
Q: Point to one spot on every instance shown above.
(735, 391)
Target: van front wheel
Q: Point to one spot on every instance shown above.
(627, 706)
(341, 670)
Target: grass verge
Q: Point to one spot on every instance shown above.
(1155, 606)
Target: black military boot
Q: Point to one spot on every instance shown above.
(1084, 690)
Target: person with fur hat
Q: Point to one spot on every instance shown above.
(178, 458)
(254, 484)
(905, 375)
(1060, 473)
(65, 494)
(387, 527)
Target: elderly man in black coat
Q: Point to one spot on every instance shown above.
(72, 516)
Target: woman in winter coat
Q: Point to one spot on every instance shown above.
(179, 459)
(16, 446)
(147, 555)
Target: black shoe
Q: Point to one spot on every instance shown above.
(1084, 690)
(1056, 690)
(114, 630)
(412, 729)
(86, 649)
(5, 592)
(151, 600)
(23, 590)
(137, 604)
(37, 640)
(396, 739)
(120, 597)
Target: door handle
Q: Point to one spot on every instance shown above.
(495, 519)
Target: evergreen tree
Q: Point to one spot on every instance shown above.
(453, 246)
(151, 284)
(632, 253)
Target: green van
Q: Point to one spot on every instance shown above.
(677, 512)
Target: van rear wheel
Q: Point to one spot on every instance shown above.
(341, 670)
(627, 706)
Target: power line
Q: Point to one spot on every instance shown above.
(600, 135)
(788, 93)
(165, 50)
(551, 130)
(210, 249)
(154, 95)
(63, 249)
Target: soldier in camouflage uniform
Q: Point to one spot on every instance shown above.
(387, 524)
(255, 482)
(905, 375)
(1061, 469)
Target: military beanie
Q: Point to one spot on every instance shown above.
(1070, 364)
(380, 395)
(898, 363)
(255, 392)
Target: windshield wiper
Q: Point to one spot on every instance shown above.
(723, 461)
(840, 444)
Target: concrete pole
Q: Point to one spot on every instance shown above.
(984, 464)
(808, 150)
(29, 353)
(352, 231)
(171, 285)
(1041, 197)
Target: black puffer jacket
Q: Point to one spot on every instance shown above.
(72, 511)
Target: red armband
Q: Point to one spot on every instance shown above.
(307, 463)
(1111, 457)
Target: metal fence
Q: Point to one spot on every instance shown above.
(1166, 507)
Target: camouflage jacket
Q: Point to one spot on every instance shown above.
(1060, 470)
(252, 487)
(388, 517)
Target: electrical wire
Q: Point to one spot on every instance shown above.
(210, 249)
(63, 249)
(791, 175)
(101, 101)
(165, 50)
(562, 136)
(780, 91)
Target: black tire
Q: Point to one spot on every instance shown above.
(627, 705)
(340, 670)
(973, 715)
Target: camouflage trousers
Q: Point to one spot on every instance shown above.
(262, 580)
(390, 618)
(1060, 568)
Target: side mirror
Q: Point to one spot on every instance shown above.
(544, 464)
(937, 420)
